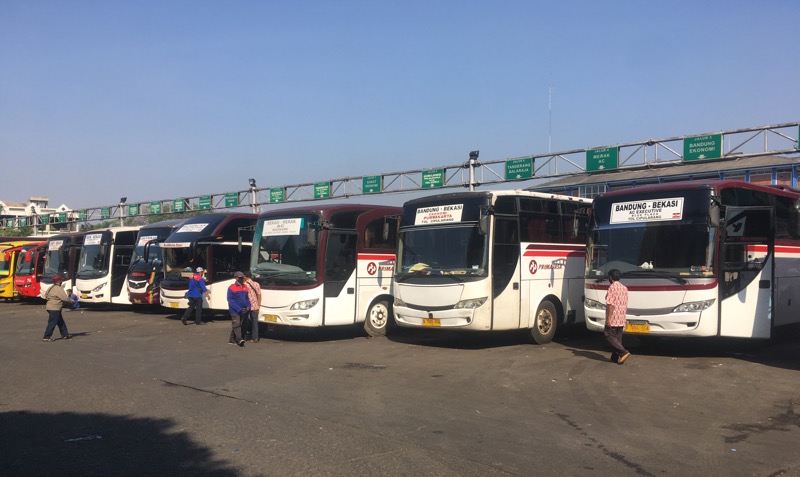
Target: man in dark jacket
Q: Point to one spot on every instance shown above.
(197, 288)
(238, 304)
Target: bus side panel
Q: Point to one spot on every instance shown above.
(341, 310)
(506, 306)
(374, 279)
(550, 269)
(787, 285)
(219, 296)
(748, 313)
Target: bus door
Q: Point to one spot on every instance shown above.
(746, 275)
(339, 289)
(506, 275)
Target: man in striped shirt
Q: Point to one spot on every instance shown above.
(616, 308)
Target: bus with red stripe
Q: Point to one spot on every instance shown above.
(714, 259)
(491, 260)
(326, 265)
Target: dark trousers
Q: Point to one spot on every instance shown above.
(54, 318)
(613, 335)
(196, 306)
(236, 328)
(254, 325)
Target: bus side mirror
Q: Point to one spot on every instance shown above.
(146, 251)
(483, 224)
(312, 237)
(794, 219)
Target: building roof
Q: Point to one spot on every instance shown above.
(657, 172)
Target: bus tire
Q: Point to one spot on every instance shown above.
(545, 323)
(378, 317)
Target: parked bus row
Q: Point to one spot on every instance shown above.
(719, 259)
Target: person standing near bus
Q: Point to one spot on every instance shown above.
(197, 289)
(616, 309)
(238, 305)
(254, 296)
(56, 299)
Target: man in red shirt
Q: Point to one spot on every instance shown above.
(616, 308)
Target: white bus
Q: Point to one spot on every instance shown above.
(326, 265)
(219, 243)
(63, 255)
(718, 259)
(103, 265)
(493, 260)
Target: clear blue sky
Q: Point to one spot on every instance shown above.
(163, 99)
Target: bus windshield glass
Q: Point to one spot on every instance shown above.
(25, 262)
(181, 262)
(57, 261)
(458, 251)
(285, 251)
(652, 235)
(94, 262)
(5, 261)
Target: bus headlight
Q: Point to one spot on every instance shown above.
(693, 306)
(594, 304)
(304, 305)
(99, 287)
(470, 304)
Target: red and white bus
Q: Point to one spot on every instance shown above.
(713, 259)
(491, 260)
(30, 268)
(326, 265)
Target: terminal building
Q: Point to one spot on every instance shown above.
(35, 213)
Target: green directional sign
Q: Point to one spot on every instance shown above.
(371, 184)
(178, 205)
(205, 202)
(602, 159)
(231, 199)
(105, 213)
(699, 148)
(23, 221)
(432, 178)
(45, 219)
(62, 217)
(322, 190)
(133, 210)
(519, 169)
(155, 208)
(277, 195)
(82, 215)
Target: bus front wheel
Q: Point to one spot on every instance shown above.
(377, 319)
(544, 325)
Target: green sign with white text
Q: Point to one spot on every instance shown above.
(155, 208)
(105, 213)
(205, 202)
(519, 169)
(371, 184)
(699, 148)
(322, 190)
(178, 205)
(82, 215)
(231, 199)
(277, 194)
(133, 210)
(432, 178)
(602, 159)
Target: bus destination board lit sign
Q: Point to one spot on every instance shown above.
(143, 240)
(440, 214)
(192, 228)
(93, 239)
(282, 227)
(653, 210)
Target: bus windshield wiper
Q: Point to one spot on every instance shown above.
(655, 273)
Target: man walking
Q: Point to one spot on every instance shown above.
(238, 304)
(56, 299)
(616, 309)
(197, 288)
(254, 295)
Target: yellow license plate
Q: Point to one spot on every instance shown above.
(270, 318)
(431, 322)
(84, 296)
(173, 305)
(637, 327)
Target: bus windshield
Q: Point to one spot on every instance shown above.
(457, 251)
(181, 262)
(94, 262)
(5, 261)
(286, 251)
(25, 262)
(57, 261)
(672, 240)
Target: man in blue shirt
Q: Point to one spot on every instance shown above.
(197, 288)
(238, 304)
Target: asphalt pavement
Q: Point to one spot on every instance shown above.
(137, 393)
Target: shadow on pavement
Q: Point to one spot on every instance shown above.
(100, 445)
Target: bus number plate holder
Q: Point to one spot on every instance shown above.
(642, 327)
(270, 318)
(431, 322)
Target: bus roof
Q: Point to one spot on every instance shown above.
(212, 225)
(172, 223)
(712, 185)
(495, 193)
(327, 209)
